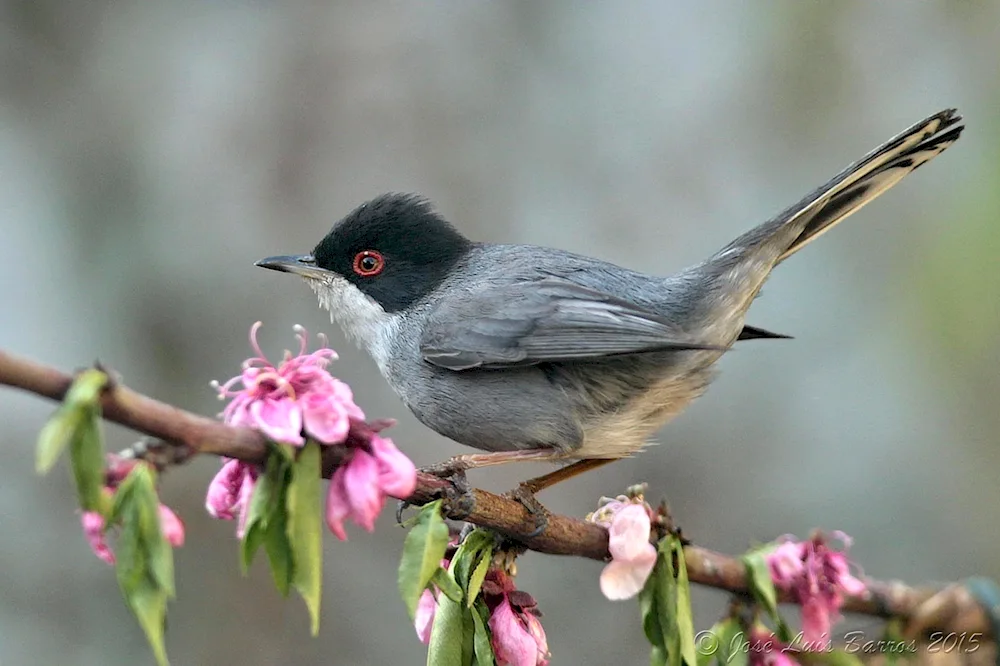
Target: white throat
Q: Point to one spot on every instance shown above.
(361, 318)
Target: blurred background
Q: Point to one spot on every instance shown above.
(150, 152)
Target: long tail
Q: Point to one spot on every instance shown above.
(741, 267)
(846, 193)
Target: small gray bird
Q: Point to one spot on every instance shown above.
(533, 353)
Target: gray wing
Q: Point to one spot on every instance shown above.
(541, 321)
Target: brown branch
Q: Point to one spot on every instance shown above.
(926, 608)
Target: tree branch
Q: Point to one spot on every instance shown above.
(924, 608)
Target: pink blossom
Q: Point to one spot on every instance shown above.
(338, 504)
(93, 529)
(299, 392)
(171, 526)
(632, 555)
(517, 635)
(359, 487)
(818, 578)
(229, 492)
(297, 400)
(423, 620)
(397, 475)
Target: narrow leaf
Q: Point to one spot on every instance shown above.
(685, 622)
(268, 496)
(649, 610)
(304, 529)
(55, 437)
(144, 559)
(149, 604)
(762, 587)
(481, 640)
(423, 551)
(86, 389)
(723, 645)
(468, 637)
(479, 574)
(759, 578)
(86, 452)
(666, 603)
(80, 407)
(130, 555)
(278, 549)
(443, 580)
(445, 647)
(158, 550)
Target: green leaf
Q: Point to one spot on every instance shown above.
(86, 452)
(443, 580)
(762, 587)
(447, 634)
(477, 545)
(685, 622)
(658, 656)
(722, 645)
(85, 392)
(55, 437)
(149, 604)
(759, 579)
(267, 499)
(304, 529)
(666, 603)
(278, 549)
(731, 639)
(478, 574)
(144, 558)
(649, 608)
(468, 637)
(82, 403)
(423, 551)
(481, 641)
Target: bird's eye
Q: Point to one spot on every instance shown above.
(368, 263)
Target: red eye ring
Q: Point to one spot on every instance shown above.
(368, 263)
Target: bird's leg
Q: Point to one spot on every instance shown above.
(525, 491)
(468, 461)
(460, 498)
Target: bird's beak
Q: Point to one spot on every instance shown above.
(302, 264)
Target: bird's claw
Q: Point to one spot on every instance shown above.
(459, 500)
(401, 506)
(449, 469)
(525, 495)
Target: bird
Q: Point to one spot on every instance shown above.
(532, 353)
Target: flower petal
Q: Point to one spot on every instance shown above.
(243, 499)
(397, 476)
(338, 507)
(362, 488)
(281, 419)
(324, 418)
(224, 489)
(816, 621)
(786, 563)
(93, 529)
(424, 618)
(171, 526)
(534, 626)
(512, 644)
(628, 536)
(623, 579)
